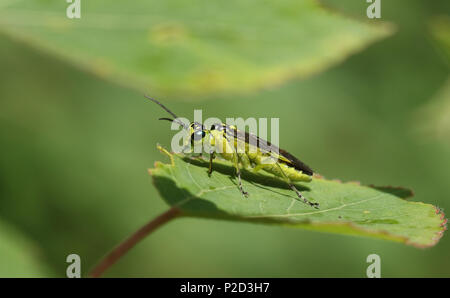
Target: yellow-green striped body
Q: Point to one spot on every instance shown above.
(253, 158)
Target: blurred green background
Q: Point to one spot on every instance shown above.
(75, 149)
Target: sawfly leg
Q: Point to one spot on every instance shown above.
(238, 174)
(301, 197)
(238, 171)
(306, 201)
(212, 155)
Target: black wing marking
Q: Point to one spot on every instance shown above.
(266, 147)
(298, 164)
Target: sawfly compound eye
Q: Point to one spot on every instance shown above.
(198, 135)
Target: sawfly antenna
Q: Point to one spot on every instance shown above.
(162, 106)
(168, 119)
(168, 111)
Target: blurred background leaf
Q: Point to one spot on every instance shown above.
(440, 31)
(432, 120)
(19, 256)
(191, 48)
(76, 149)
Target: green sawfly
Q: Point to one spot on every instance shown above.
(258, 154)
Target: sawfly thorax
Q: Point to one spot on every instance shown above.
(218, 139)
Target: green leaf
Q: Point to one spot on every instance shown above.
(345, 208)
(192, 48)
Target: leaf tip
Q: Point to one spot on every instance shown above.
(440, 212)
(439, 234)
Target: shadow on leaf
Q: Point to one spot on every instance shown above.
(254, 178)
(400, 192)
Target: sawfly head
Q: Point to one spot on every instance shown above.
(197, 132)
(175, 117)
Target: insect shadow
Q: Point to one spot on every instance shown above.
(175, 195)
(400, 192)
(257, 179)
